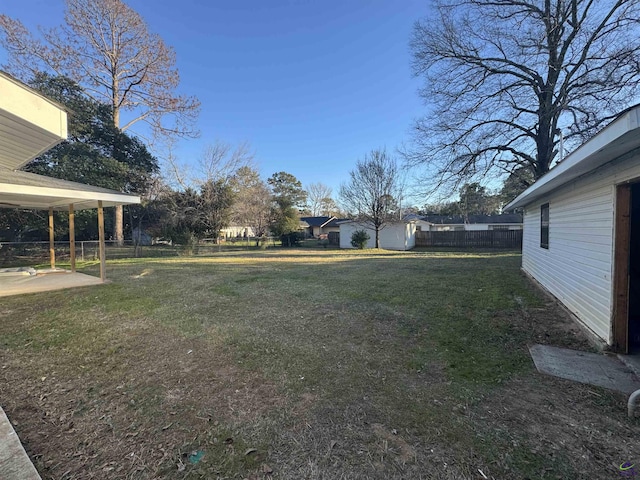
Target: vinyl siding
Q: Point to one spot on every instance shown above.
(577, 268)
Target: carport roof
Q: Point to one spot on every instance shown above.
(30, 123)
(28, 190)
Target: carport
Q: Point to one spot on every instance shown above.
(31, 124)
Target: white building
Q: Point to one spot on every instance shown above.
(444, 223)
(393, 236)
(582, 232)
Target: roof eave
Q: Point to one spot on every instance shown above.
(618, 138)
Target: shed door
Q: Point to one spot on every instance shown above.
(626, 281)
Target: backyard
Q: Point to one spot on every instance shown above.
(302, 363)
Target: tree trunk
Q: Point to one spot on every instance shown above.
(377, 237)
(118, 226)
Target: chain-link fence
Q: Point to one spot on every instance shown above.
(33, 253)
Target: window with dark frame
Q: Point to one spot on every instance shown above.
(544, 226)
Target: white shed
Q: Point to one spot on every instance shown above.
(393, 236)
(582, 232)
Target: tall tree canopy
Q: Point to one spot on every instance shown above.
(371, 195)
(288, 198)
(475, 200)
(95, 153)
(287, 189)
(106, 47)
(504, 78)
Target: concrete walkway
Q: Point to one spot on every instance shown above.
(598, 369)
(14, 462)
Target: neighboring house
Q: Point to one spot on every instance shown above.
(31, 124)
(316, 226)
(321, 226)
(237, 231)
(444, 223)
(399, 235)
(582, 232)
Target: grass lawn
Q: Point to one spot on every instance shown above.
(304, 364)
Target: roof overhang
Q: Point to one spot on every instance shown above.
(30, 124)
(618, 138)
(31, 191)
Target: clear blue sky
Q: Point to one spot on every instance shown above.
(312, 85)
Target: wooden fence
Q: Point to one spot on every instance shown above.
(471, 239)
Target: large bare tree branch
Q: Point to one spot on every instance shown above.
(502, 78)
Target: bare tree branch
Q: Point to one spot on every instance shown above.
(504, 77)
(319, 199)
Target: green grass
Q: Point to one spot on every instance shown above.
(316, 363)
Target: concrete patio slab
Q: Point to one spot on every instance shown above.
(20, 284)
(14, 462)
(584, 367)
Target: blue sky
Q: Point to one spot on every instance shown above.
(311, 85)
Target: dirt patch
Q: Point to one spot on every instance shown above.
(393, 443)
(134, 412)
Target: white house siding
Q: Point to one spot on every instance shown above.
(396, 236)
(236, 231)
(505, 226)
(422, 225)
(578, 266)
(458, 227)
(475, 227)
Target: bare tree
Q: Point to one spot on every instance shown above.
(504, 79)
(373, 190)
(221, 159)
(319, 199)
(218, 160)
(252, 205)
(106, 47)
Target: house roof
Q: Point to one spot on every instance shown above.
(472, 219)
(616, 139)
(316, 221)
(30, 123)
(28, 190)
